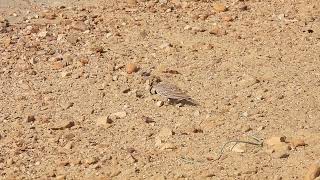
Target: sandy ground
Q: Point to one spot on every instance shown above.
(71, 107)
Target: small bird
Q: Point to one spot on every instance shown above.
(171, 92)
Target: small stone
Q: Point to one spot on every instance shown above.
(159, 103)
(219, 7)
(132, 2)
(60, 177)
(6, 41)
(313, 171)
(42, 34)
(79, 25)
(147, 119)
(67, 105)
(165, 46)
(104, 121)
(297, 142)
(115, 78)
(196, 113)
(118, 115)
(166, 146)
(65, 74)
(84, 62)
(2, 19)
(58, 65)
(163, 1)
(91, 160)
(247, 81)
(30, 118)
(63, 124)
(227, 18)
(96, 48)
(49, 15)
(239, 148)
(69, 145)
(243, 7)
(198, 29)
(165, 133)
(131, 68)
(276, 140)
(187, 27)
(218, 31)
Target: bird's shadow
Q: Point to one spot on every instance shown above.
(189, 102)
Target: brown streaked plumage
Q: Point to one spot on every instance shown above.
(171, 91)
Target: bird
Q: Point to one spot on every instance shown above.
(172, 92)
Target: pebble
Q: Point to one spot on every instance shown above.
(276, 140)
(147, 119)
(104, 121)
(165, 133)
(198, 29)
(243, 7)
(218, 31)
(159, 103)
(30, 118)
(163, 1)
(313, 171)
(227, 18)
(91, 160)
(49, 15)
(79, 25)
(6, 41)
(42, 33)
(67, 105)
(95, 48)
(65, 74)
(187, 27)
(131, 68)
(58, 65)
(166, 146)
(247, 81)
(117, 115)
(219, 7)
(196, 113)
(165, 46)
(132, 2)
(63, 124)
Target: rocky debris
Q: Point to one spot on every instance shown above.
(63, 124)
(313, 171)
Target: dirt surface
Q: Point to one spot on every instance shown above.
(75, 80)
